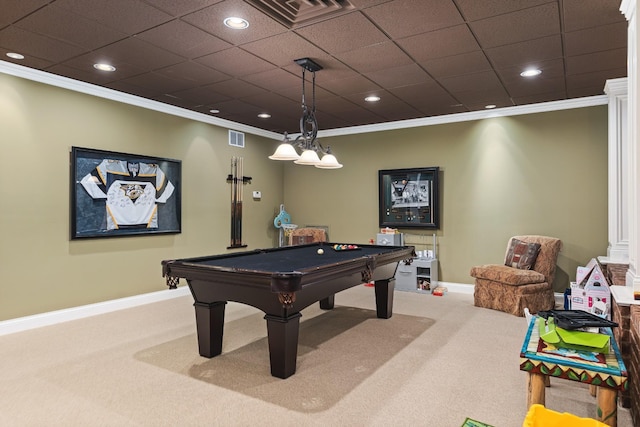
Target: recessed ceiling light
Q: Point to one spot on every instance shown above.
(236, 23)
(372, 98)
(490, 106)
(104, 67)
(15, 55)
(532, 72)
(214, 111)
(264, 115)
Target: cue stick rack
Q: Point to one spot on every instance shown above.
(237, 180)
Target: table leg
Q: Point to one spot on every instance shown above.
(535, 389)
(210, 326)
(283, 344)
(327, 303)
(607, 412)
(384, 298)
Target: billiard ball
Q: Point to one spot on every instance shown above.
(320, 251)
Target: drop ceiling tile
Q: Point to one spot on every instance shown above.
(426, 96)
(135, 52)
(28, 43)
(375, 57)
(487, 80)
(89, 76)
(482, 96)
(282, 49)
(344, 33)
(235, 88)
(183, 39)
(581, 14)
(519, 26)
(13, 11)
(141, 91)
(60, 24)
(210, 20)
(551, 79)
(179, 8)
(236, 106)
(274, 80)
(595, 79)
(526, 87)
(596, 39)
(362, 4)
(158, 83)
(526, 54)
(399, 76)
(474, 10)
(28, 61)
(438, 44)
(204, 95)
(235, 61)
(196, 73)
(128, 16)
(457, 65)
(351, 85)
(542, 97)
(409, 17)
(599, 61)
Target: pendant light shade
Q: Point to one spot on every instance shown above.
(308, 157)
(285, 151)
(329, 161)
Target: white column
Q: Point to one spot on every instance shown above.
(618, 250)
(628, 8)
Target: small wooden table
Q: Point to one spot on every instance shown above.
(606, 371)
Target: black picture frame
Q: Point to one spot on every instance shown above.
(409, 198)
(119, 194)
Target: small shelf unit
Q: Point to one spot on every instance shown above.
(419, 276)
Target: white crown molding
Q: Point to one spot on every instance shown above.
(114, 95)
(613, 87)
(90, 89)
(542, 107)
(628, 8)
(75, 313)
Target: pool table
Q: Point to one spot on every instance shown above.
(281, 282)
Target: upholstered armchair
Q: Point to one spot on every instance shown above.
(524, 280)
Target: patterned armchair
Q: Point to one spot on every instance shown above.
(524, 280)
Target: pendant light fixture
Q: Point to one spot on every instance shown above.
(307, 140)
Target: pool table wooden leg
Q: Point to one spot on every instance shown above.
(210, 326)
(384, 298)
(283, 344)
(327, 303)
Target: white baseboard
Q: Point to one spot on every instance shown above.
(459, 288)
(53, 317)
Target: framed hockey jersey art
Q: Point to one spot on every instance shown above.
(117, 194)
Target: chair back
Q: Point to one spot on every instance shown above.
(547, 258)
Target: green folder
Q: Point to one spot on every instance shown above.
(575, 340)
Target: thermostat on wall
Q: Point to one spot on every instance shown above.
(257, 195)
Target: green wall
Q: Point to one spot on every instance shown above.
(42, 270)
(543, 173)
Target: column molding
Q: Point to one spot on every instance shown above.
(628, 8)
(618, 249)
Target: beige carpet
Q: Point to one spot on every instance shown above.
(437, 361)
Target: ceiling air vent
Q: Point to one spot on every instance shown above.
(236, 138)
(294, 13)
